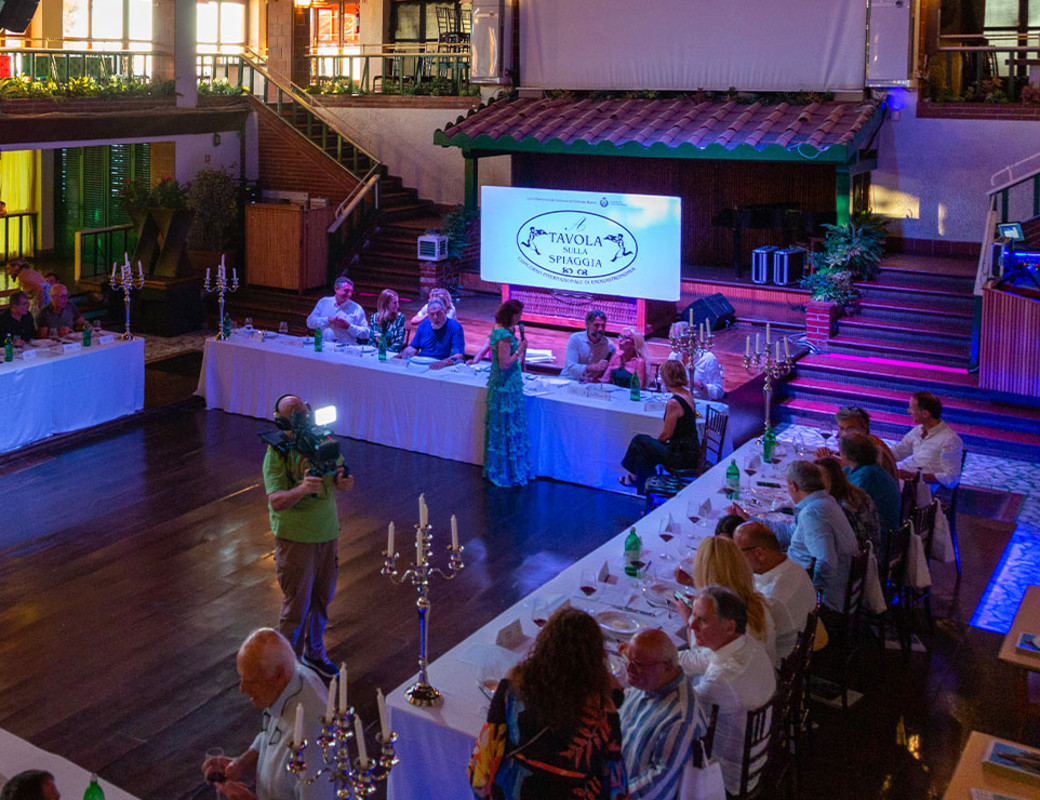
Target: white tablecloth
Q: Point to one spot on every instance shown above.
(441, 413)
(61, 393)
(17, 755)
(435, 744)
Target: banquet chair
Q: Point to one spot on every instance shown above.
(923, 519)
(948, 498)
(843, 628)
(798, 723)
(667, 484)
(892, 562)
(761, 735)
(708, 739)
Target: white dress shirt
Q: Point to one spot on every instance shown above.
(707, 370)
(273, 780)
(938, 451)
(791, 596)
(737, 677)
(326, 310)
(581, 351)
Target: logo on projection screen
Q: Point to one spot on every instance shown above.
(578, 246)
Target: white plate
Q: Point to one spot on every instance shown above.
(556, 381)
(423, 360)
(620, 624)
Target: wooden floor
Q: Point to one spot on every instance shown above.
(133, 561)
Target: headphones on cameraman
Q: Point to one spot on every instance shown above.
(280, 422)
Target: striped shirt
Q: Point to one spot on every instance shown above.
(657, 733)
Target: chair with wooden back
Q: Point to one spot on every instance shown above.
(663, 487)
(923, 520)
(760, 737)
(715, 424)
(844, 636)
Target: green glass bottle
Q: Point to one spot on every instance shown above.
(227, 326)
(633, 388)
(733, 477)
(633, 553)
(318, 336)
(86, 335)
(768, 444)
(9, 348)
(94, 791)
(382, 345)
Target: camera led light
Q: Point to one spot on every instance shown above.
(325, 416)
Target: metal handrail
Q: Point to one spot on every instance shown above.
(1012, 181)
(353, 200)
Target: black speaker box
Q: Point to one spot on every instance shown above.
(714, 308)
(15, 15)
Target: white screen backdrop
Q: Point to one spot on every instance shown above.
(754, 45)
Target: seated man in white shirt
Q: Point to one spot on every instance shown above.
(707, 371)
(785, 584)
(589, 351)
(338, 317)
(931, 446)
(736, 675)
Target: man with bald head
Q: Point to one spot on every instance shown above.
(785, 584)
(275, 682)
(305, 523)
(660, 717)
(61, 317)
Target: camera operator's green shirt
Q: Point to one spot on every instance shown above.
(313, 519)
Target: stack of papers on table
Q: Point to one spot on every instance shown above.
(538, 355)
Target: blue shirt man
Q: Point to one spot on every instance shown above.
(437, 337)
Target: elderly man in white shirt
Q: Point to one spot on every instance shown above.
(707, 371)
(785, 584)
(732, 671)
(274, 681)
(338, 317)
(931, 446)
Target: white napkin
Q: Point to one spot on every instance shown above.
(673, 526)
(705, 508)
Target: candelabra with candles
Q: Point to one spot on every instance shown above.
(691, 342)
(221, 287)
(773, 367)
(126, 283)
(353, 777)
(421, 693)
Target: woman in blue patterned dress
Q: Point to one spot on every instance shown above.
(506, 446)
(388, 321)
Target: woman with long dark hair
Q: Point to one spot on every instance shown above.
(552, 730)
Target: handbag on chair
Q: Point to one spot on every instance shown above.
(702, 782)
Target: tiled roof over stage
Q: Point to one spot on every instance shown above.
(677, 124)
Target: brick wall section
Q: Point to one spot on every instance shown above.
(448, 273)
(820, 321)
(288, 162)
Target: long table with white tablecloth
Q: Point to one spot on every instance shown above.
(434, 744)
(578, 434)
(58, 392)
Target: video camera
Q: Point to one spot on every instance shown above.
(311, 439)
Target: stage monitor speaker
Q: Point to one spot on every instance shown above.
(15, 15)
(714, 308)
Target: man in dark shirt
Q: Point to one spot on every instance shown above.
(61, 317)
(16, 321)
(437, 337)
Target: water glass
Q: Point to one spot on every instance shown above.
(213, 776)
(249, 324)
(283, 327)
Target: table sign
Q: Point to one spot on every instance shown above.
(70, 347)
(28, 354)
(105, 338)
(511, 635)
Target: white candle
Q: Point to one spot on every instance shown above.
(384, 726)
(758, 343)
(140, 272)
(359, 734)
(454, 532)
(420, 554)
(778, 350)
(234, 274)
(222, 261)
(768, 338)
(330, 704)
(424, 516)
(707, 329)
(342, 687)
(113, 270)
(691, 316)
(298, 728)
(787, 347)
(747, 346)
(390, 541)
(207, 276)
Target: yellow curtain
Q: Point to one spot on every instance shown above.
(18, 192)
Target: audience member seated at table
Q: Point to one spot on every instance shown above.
(858, 506)
(677, 446)
(727, 524)
(859, 455)
(437, 337)
(719, 562)
(629, 359)
(786, 585)
(440, 294)
(931, 446)
(854, 418)
(820, 530)
(707, 371)
(553, 730)
(338, 317)
(31, 282)
(275, 682)
(61, 317)
(388, 321)
(733, 673)
(16, 321)
(660, 717)
(589, 351)
(33, 784)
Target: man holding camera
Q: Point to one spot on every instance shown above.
(305, 524)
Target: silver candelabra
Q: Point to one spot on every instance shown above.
(126, 283)
(221, 287)
(422, 693)
(690, 344)
(773, 367)
(353, 777)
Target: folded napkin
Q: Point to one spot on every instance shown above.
(673, 526)
(705, 508)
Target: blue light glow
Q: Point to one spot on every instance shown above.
(1019, 568)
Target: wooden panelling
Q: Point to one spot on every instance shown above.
(750, 302)
(1009, 348)
(287, 246)
(706, 187)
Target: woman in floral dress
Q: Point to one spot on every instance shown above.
(507, 460)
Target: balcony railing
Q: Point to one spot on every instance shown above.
(18, 235)
(991, 67)
(98, 248)
(62, 66)
(391, 72)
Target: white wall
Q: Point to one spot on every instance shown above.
(933, 174)
(403, 140)
(197, 151)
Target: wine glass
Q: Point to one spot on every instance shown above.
(215, 776)
(589, 584)
(283, 327)
(750, 468)
(826, 431)
(799, 443)
(96, 325)
(539, 611)
(249, 324)
(666, 535)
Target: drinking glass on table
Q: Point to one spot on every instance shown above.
(283, 327)
(215, 772)
(96, 325)
(249, 324)
(539, 611)
(665, 534)
(589, 584)
(750, 468)
(826, 431)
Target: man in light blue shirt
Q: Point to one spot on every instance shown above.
(820, 530)
(338, 317)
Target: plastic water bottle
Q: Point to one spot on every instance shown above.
(94, 791)
(9, 348)
(318, 336)
(633, 553)
(633, 388)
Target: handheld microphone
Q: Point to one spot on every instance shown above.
(522, 335)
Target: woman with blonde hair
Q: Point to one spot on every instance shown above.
(630, 358)
(719, 561)
(388, 321)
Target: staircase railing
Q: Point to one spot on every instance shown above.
(97, 248)
(1024, 176)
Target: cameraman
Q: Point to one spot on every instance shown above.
(305, 524)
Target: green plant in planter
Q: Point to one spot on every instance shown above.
(456, 226)
(215, 197)
(168, 193)
(221, 87)
(856, 246)
(134, 194)
(833, 284)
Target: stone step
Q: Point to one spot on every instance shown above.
(955, 356)
(916, 332)
(873, 309)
